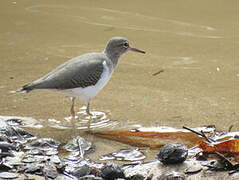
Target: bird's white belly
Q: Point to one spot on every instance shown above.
(89, 92)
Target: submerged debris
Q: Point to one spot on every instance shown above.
(173, 175)
(82, 171)
(14, 133)
(22, 157)
(78, 144)
(43, 144)
(173, 153)
(125, 155)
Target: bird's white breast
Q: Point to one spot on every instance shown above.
(89, 92)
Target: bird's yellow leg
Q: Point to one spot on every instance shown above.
(88, 112)
(73, 113)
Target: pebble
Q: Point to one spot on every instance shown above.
(8, 175)
(173, 154)
(44, 144)
(125, 155)
(112, 172)
(173, 175)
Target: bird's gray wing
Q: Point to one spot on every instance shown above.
(82, 71)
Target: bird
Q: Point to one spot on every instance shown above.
(85, 75)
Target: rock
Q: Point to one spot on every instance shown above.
(112, 172)
(125, 155)
(137, 177)
(90, 177)
(195, 168)
(78, 144)
(215, 165)
(44, 144)
(33, 168)
(8, 175)
(55, 159)
(50, 171)
(173, 175)
(6, 148)
(173, 154)
(15, 134)
(81, 171)
(14, 122)
(22, 134)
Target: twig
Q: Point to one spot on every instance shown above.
(200, 134)
(230, 128)
(80, 149)
(156, 73)
(208, 138)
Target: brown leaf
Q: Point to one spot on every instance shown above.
(230, 146)
(151, 139)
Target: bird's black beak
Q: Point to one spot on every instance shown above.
(136, 50)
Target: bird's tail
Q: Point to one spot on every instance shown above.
(25, 89)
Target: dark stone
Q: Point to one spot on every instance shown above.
(4, 168)
(4, 138)
(112, 172)
(15, 134)
(60, 168)
(173, 154)
(90, 177)
(51, 173)
(5, 147)
(24, 134)
(137, 177)
(14, 122)
(81, 171)
(215, 165)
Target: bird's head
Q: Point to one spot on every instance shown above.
(117, 46)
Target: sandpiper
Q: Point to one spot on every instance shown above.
(84, 76)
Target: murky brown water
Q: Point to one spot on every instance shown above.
(196, 43)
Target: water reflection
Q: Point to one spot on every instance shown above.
(99, 119)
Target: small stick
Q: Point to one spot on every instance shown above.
(158, 72)
(208, 138)
(230, 128)
(80, 150)
(200, 134)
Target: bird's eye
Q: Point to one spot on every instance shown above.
(126, 45)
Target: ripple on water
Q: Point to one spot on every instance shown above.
(112, 18)
(99, 119)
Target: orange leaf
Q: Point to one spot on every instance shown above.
(230, 146)
(151, 139)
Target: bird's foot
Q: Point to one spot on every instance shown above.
(89, 113)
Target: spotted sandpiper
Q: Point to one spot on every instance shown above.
(84, 76)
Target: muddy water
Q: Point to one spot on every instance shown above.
(195, 43)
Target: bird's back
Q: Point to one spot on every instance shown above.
(81, 71)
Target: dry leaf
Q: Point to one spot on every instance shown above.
(230, 146)
(151, 139)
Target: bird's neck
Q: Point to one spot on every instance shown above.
(114, 57)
